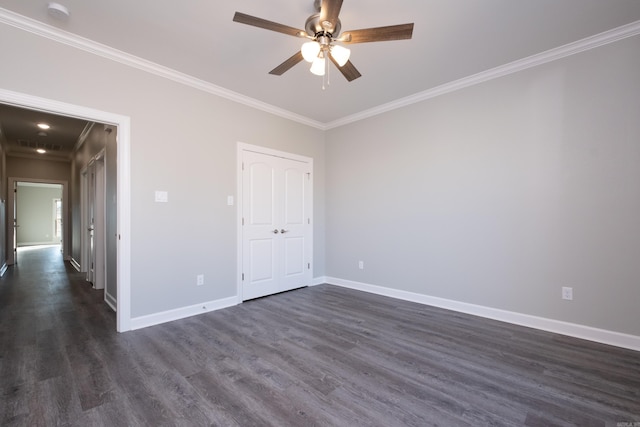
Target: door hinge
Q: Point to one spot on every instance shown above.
(242, 221)
(308, 266)
(308, 176)
(309, 221)
(242, 165)
(243, 277)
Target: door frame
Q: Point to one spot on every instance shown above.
(241, 147)
(99, 234)
(11, 210)
(123, 124)
(95, 166)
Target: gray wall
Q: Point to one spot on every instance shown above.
(501, 193)
(35, 215)
(182, 141)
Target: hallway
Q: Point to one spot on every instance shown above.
(50, 321)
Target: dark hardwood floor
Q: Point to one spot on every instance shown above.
(322, 356)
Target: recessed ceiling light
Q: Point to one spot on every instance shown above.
(41, 133)
(43, 126)
(57, 11)
(41, 150)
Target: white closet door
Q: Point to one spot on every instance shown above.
(276, 230)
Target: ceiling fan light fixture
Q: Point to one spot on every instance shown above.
(318, 66)
(310, 51)
(340, 54)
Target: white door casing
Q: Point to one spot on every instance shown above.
(91, 197)
(275, 222)
(99, 235)
(93, 258)
(123, 124)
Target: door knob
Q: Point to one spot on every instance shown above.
(275, 231)
(284, 231)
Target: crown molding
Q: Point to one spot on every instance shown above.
(55, 34)
(616, 34)
(83, 136)
(47, 31)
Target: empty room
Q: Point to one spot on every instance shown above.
(299, 212)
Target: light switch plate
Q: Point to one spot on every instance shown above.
(230, 200)
(162, 196)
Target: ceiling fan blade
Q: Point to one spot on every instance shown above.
(267, 25)
(348, 70)
(379, 34)
(329, 12)
(286, 65)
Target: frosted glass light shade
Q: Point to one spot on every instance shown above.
(310, 51)
(340, 54)
(317, 67)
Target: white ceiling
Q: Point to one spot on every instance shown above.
(452, 39)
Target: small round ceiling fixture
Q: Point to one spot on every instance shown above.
(41, 133)
(43, 126)
(57, 11)
(41, 150)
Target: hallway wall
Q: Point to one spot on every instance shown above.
(101, 137)
(3, 201)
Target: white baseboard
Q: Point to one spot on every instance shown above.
(318, 281)
(181, 313)
(589, 333)
(26, 244)
(75, 264)
(3, 269)
(111, 301)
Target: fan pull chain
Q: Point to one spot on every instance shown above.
(324, 76)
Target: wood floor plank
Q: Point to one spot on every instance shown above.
(324, 356)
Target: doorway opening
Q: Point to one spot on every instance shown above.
(121, 257)
(31, 219)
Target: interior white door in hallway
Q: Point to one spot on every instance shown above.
(276, 223)
(93, 221)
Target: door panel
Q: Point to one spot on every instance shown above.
(262, 265)
(258, 195)
(293, 256)
(262, 197)
(276, 235)
(295, 219)
(293, 196)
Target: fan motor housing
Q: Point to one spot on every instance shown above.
(313, 27)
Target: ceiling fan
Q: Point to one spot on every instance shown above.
(322, 29)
